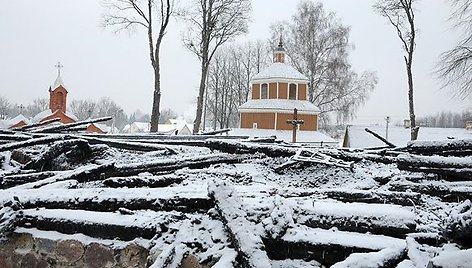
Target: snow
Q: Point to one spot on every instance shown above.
(400, 136)
(279, 70)
(58, 82)
(279, 105)
(372, 259)
(454, 259)
(312, 137)
(317, 236)
(13, 121)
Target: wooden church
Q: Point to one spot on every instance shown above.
(275, 92)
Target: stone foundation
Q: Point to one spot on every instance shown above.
(24, 250)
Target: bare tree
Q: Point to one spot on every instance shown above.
(229, 78)
(400, 14)
(5, 107)
(211, 24)
(167, 114)
(83, 109)
(37, 106)
(455, 65)
(318, 46)
(125, 14)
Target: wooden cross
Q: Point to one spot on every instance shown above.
(295, 122)
(59, 66)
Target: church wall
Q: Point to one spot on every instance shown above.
(302, 91)
(310, 121)
(273, 91)
(263, 120)
(19, 124)
(256, 91)
(283, 89)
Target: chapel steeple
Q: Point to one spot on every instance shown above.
(279, 52)
(58, 93)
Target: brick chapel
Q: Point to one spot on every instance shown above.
(275, 92)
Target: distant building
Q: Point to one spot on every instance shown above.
(357, 137)
(163, 129)
(468, 125)
(18, 121)
(275, 92)
(57, 103)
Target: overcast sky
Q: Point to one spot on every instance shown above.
(34, 35)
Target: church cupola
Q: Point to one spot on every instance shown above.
(58, 93)
(279, 52)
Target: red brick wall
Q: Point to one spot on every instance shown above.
(58, 99)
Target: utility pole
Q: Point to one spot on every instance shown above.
(387, 120)
(295, 122)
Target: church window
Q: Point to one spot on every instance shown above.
(292, 92)
(264, 91)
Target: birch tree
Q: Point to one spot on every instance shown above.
(455, 66)
(154, 16)
(318, 46)
(212, 23)
(401, 15)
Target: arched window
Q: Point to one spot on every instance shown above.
(292, 92)
(264, 91)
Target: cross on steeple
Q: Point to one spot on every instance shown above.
(59, 66)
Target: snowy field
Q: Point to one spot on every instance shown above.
(242, 203)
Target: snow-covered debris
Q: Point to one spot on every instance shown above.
(246, 237)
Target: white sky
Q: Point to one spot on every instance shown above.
(34, 35)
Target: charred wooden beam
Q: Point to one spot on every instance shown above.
(182, 199)
(19, 179)
(13, 137)
(35, 125)
(239, 147)
(391, 145)
(444, 191)
(385, 258)
(53, 129)
(134, 146)
(448, 174)
(82, 174)
(447, 147)
(215, 132)
(434, 161)
(143, 181)
(176, 164)
(42, 161)
(248, 244)
(31, 142)
(359, 196)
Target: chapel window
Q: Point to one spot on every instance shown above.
(292, 92)
(264, 91)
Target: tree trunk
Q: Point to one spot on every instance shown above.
(156, 102)
(201, 92)
(413, 128)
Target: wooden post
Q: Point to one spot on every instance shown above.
(295, 122)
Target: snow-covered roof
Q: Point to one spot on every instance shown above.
(285, 135)
(400, 136)
(279, 71)
(177, 121)
(142, 126)
(15, 120)
(280, 105)
(58, 82)
(40, 116)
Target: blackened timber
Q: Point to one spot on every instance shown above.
(391, 145)
(440, 147)
(40, 124)
(444, 191)
(42, 161)
(239, 147)
(13, 137)
(144, 181)
(247, 243)
(31, 142)
(182, 199)
(82, 174)
(134, 146)
(53, 129)
(18, 179)
(176, 164)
